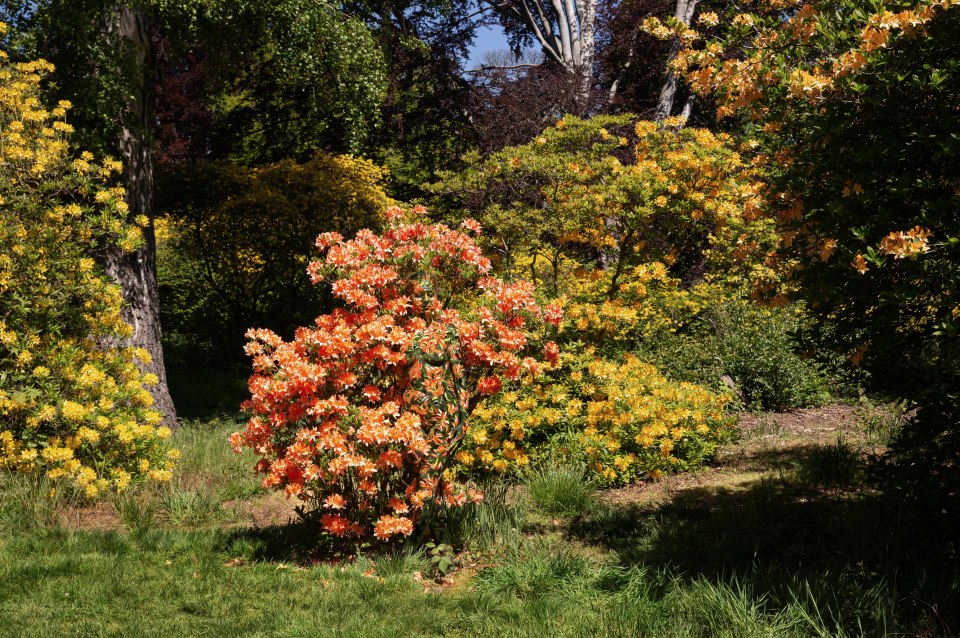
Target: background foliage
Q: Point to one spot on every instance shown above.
(222, 269)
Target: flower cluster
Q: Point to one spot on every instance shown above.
(361, 414)
(741, 83)
(648, 302)
(579, 197)
(908, 243)
(71, 407)
(781, 92)
(623, 419)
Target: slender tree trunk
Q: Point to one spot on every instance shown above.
(612, 92)
(586, 13)
(668, 91)
(136, 272)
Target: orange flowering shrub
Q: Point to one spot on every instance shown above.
(360, 415)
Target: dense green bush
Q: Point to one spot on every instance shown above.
(747, 348)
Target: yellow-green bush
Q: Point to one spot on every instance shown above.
(239, 239)
(623, 419)
(614, 193)
(648, 303)
(72, 407)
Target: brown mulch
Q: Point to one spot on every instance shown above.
(766, 443)
(265, 510)
(261, 511)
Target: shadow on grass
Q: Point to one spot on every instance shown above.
(867, 562)
(295, 542)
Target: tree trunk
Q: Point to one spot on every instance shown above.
(668, 91)
(136, 272)
(587, 18)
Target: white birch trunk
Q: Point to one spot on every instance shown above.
(668, 91)
(566, 31)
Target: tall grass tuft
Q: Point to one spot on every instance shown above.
(836, 465)
(137, 512)
(31, 502)
(561, 491)
(494, 523)
(537, 570)
(191, 508)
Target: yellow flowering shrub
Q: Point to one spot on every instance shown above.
(640, 226)
(72, 406)
(223, 268)
(611, 193)
(649, 302)
(622, 419)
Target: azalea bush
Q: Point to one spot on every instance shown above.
(644, 229)
(361, 414)
(648, 305)
(73, 406)
(621, 419)
(614, 193)
(753, 350)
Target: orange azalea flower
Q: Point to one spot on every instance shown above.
(551, 352)
(388, 526)
(859, 263)
(391, 458)
(489, 385)
(398, 505)
(906, 243)
(827, 248)
(335, 502)
(334, 524)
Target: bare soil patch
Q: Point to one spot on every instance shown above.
(767, 443)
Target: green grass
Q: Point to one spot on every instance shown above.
(176, 583)
(207, 461)
(561, 490)
(778, 558)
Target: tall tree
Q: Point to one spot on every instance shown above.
(629, 61)
(425, 123)
(565, 30)
(682, 13)
(105, 64)
(297, 57)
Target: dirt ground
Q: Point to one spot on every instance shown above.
(767, 443)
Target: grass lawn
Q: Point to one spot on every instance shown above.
(778, 539)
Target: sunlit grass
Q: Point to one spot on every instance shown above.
(770, 559)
